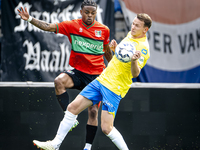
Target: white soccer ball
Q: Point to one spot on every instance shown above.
(125, 51)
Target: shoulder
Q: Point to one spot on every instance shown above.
(77, 20)
(98, 24)
(143, 42)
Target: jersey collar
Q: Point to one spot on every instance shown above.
(89, 25)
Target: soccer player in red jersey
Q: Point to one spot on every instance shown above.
(89, 43)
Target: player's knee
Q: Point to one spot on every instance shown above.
(70, 107)
(106, 128)
(93, 112)
(58, 82)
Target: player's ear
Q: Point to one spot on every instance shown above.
(81, 11)
(146, 29)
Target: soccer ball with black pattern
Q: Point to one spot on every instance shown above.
(125, 51)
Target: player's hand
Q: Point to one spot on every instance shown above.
(113, 45)
(136, 56)
(23, 14)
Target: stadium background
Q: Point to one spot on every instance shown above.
(161, 110)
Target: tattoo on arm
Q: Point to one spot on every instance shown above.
(41, 24)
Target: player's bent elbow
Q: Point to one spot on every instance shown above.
(135, 75)
(136, 72)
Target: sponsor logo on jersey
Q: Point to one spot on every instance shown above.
(141, 60)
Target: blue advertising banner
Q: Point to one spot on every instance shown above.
(174, 39)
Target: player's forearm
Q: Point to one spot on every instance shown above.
(108, 55)
(135, 69)
(43, 25)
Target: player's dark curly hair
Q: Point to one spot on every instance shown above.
(88, 3)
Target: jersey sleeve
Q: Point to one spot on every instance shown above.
(63, 28)
(107, 36)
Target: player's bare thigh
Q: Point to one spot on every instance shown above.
(79, 104)
(63, 82)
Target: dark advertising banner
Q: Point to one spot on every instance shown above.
(30, 54)
(147, 118)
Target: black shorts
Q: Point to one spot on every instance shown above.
(80, 79)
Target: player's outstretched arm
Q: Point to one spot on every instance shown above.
(38, 23)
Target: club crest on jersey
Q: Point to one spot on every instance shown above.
(98, 33)
(144, 51)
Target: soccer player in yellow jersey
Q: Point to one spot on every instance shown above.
(110, 87)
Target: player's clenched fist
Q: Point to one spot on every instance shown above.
(137, 55)
(113, 45)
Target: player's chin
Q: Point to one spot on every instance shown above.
(133, 33)
(89, 21)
